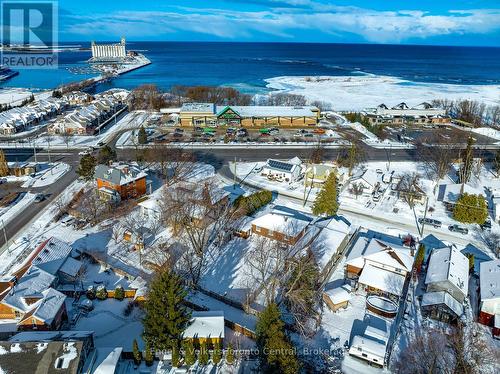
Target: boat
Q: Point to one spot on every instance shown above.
(6, 73)
(382, 306)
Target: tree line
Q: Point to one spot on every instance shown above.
(470, 111)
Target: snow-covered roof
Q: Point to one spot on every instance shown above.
(381, 279)
(51, 255)
(340, 294)
(281, 166)
(71, 267)
(288, 225)
(272, 111)
(30, 285)
(46, 336)
(368, 345)
(489, 280)
(119, 174)
(450, 193)
(206, 325)
(448, 264)
(198, 108)
(327, 243)
(108, 365)
(49, 306)
(379, 251)
(370, 176)
(442, 297)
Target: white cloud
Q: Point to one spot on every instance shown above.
(283, 23)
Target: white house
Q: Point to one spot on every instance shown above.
(489, 283)
(448, 271)
(287, 171)
(368, 178)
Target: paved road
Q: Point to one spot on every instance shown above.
(219, 158)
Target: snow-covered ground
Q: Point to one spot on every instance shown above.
(49, 174)
(489, 132)
(10, 212)
(13, 95)
(368, 90)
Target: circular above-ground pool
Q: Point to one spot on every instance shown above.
(381, 306)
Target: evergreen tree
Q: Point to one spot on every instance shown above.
(470, 209)
(326, 201)
(217, 354)
(277, 353)
(166, 316)
(204, 356)
(496, 163)
(106, 154)
(467, 162)
(419, 258)
(230, 354)
(119, 293)
(148, 355)
(142, 137)
(136, 352)
(4, 168)
(87, 167)
(175, 355)
(189, 353)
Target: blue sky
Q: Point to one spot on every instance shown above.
(448, 22)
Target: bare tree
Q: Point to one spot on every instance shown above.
(67, 137)
(301, 293)
(266, 261)
(199, 215)
(356, 189)
(438, 154)
(491, 240)
(410, 188)
(91, 206)
(352, 155)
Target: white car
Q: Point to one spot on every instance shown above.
(66, 221)
(84, 153)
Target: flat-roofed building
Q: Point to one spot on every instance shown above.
(208, 114)
(400, 114)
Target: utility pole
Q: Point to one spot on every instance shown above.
(425, 216)
(234, 174)
(5, 234)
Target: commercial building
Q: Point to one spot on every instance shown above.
(108, 52)
(400, 114)
(208, 114)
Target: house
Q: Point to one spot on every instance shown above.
(489, 285)
(151, 209)
(337, 298)
(448, 271)
(450, 193)
(29, 297)
(376, 266)
(242, 227)
(208, 114)
(120, 182)
(330, 243)
(205, 327)
(368, 179)
(410, 192)
(282, 170)
(317, 174)
(446, 284)
(287, 229)
(22, 168)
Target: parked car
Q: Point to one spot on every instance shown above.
(179, 130)
(242, 132)
(101, 143)
(3, 180)
(459, 229)
(39, 198)
(84, 153)
(67, 221)
(486, 225)
(429, 221)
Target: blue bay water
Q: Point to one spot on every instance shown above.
(246, 65)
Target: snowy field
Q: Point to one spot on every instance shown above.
(360, 92)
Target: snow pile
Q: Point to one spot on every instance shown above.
(488, 131)
(369, 90)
